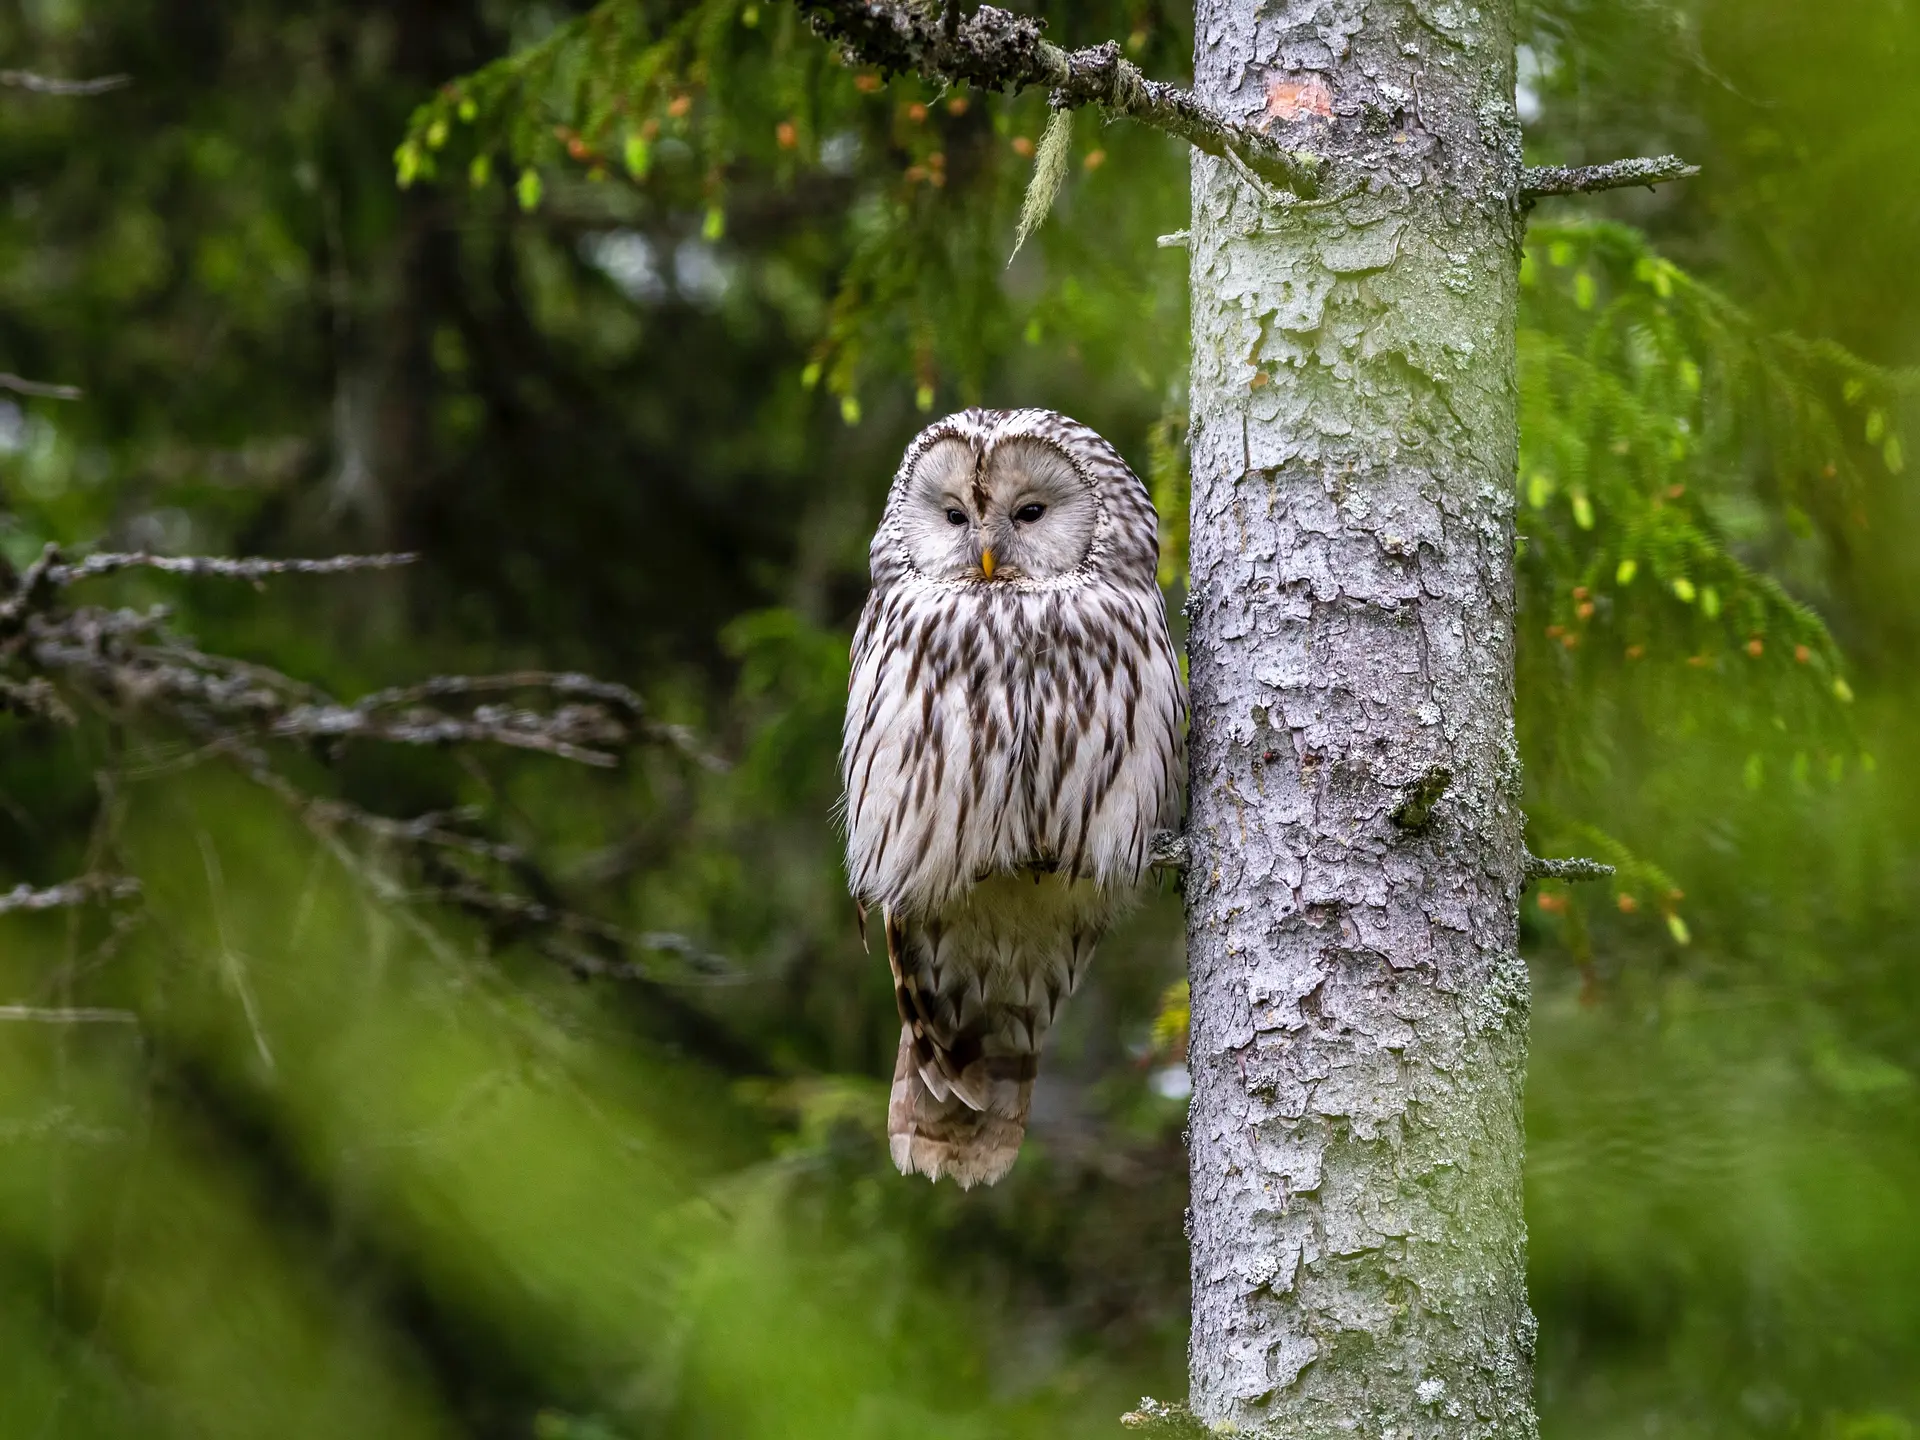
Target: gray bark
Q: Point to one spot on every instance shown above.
(1359, 1003)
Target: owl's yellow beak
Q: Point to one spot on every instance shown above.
(986, 563)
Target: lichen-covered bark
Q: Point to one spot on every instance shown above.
(1359, 1003)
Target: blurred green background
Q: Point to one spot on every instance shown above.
(629, 361)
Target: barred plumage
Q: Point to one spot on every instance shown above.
(1015, 735)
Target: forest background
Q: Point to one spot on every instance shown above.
(319, 1135)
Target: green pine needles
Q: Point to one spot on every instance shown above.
(1687, 480)
(898, 199)
(1665, 445)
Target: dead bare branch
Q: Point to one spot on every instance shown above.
(48, 85)
(85, 890)
(68, 1015)
(56, 658)
(35, 698)
(252, 568)
(40, 389)
(623, 701)
(570, 733)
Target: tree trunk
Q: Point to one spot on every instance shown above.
(1359, 1003)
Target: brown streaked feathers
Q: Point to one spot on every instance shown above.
(1011, 745)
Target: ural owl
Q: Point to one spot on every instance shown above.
(1015, 735)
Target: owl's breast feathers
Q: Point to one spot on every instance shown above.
(995, 728)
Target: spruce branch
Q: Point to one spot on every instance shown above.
(32, 590)
(116, 657)
(995, 49)
(624, 703)
(1538, 181)
(1538, 868)
(572, 732)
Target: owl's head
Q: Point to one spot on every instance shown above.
(1012, 496)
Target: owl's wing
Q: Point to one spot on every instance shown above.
(934, 724)
(1109, 760)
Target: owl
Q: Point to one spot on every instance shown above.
(1015, 736)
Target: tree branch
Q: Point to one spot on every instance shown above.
(48, 85)
(518, 911)
(1572, 869)
(130, 663)
(997, 50)
(39, 388)
(566, 685)
(224, 697)
(34, 589)
(68, 1015)
(1538, 181)
(1167, 851)
(1167, 1422)
(36, 698)
(570, 733)
(128, 656)
(74, 892)
(221, 566)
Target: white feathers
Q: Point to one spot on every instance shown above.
(991, 726)
(1014, 738)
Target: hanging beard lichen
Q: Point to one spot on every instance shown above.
(1049, 170)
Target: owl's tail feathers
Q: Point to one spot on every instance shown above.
(934, 1134)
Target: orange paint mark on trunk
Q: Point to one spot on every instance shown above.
(1290, 99)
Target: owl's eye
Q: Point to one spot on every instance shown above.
(956, 517)
(1027, 514)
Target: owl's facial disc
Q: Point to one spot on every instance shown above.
(1025, 512)
(938, 520)
(1039, 514)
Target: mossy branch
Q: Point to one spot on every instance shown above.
(1161, 1421)
(998, 50)
(1539, 181)
(1538, 868)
